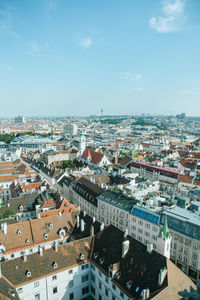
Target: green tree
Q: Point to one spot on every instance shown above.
(68, 164)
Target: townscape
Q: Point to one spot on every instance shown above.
(99, 207)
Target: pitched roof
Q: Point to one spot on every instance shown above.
(95, 157)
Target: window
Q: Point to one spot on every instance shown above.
(93, 290)
(100, 285)
(121, 294)
(36, 284)
(84, 278)
(113, 298)
(100, 298)
(140, 222)
(140, 230)
(12, 255)
(20, 290)
(154, 228)
(54, 277)
(106, 279)
(55, 290)
(147, 233)
(92, 277)
(71, 296)
(147, 225)
(70, 271)
(70, 284)
(92, 267)
(100, 274)
(37, 297)
(114, 287)
(85, 290)
(84, 267)
(106, 292)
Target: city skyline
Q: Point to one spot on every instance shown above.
(65, 58)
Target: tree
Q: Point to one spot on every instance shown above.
(68, 164)
(192, 294)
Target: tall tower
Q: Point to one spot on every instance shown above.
(82, 144)
(164, 240)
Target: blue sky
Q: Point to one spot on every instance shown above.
(74, 57)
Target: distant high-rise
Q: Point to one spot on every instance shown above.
(102, 112)
(19, 120)
(70, 129)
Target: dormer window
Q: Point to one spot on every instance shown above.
(68, 231)
(54, 264)
(101, 261)
(28, 273)
(50, 225)
(129, 284)
(18, 232)
(45, 236)
(62, 233)
(81, 256)
(21, 208)
(95, 255)
(118, 275)
(27, 241)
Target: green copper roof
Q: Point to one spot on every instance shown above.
(164, 232)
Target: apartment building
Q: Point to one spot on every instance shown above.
(143, 224)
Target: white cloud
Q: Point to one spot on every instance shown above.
(173, 16)
(130, 76)
(86, 43)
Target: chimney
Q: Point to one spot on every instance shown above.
(93, 220)
(59, 213)
(82, 225)
(77, 221)
(25, 257)
(92, 230)
(4, 228)
(145, 294)
(56, 247)
(125, 232)
(149, 247)
(40, 251)
(161, 276)
(125, 247)
(102, 226)
(84, 213)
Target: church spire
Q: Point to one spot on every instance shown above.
(164, 232)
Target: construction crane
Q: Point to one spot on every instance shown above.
(117, 147)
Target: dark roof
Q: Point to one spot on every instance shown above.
(88, 190)
(124, 161)
(118, 179)
(117, 199)
(88, 221)
(139, 266)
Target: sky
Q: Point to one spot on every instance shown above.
(76, 57)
